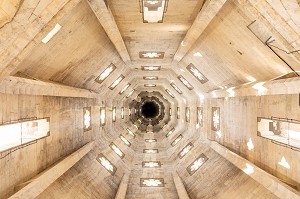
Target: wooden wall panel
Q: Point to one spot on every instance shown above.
(239, 124)
(76, 55)
(86, 179)
(135, 191)
(218, 178)
(66, 135)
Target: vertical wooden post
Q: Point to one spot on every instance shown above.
(181, 191)
(123, 187)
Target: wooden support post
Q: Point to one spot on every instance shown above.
(123, 187)
(181, 191)
(22, 86)
(209, 11)
(41, 183)
(273, 184)
(108, 23)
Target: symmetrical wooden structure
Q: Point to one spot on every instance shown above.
(239, 57)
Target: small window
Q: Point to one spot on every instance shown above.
(106, 164)
(200, 77)
(105, 73)
(102, 115)
(116, 82)
(19, 133)
(187, 114)
(87, 119)
(114, 114)
(200, 116)
(185, 150)
(284, 131)
(176, 88)
(194, 166)
(185, 82)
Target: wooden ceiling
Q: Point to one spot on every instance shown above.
(231, 49)
(226, 40)
(165, 37)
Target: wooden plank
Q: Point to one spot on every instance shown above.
(270, 182)
(17, 85)
(108, 23)
(39, 184)
(203, 19)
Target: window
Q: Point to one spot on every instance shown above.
(200, 77)
(169, 92)
(105, 73)
(87, 119)
(102, 116)
(176, 140)
(185, 150)
(152, 182)
(51, 34)
(130, 93)
(116, 150)
(187, 114)
(114, 110)
(170, 132)
(215, 125)
(106, 164)
(282, 131)
(19, 133)
(150, 150)
(151, 164)
(151, 55)
(124, 89)
(200, 116)
(150, 140)
(149, 85)
(125, 140)
(176, 88)
(185, 82)
(192, 168)
(151, 68)
(130, 132)
(153, 11)
(116, 82)
(150, 78)
(122, 112)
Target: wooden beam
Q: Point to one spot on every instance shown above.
(273, 184)
(107, 21)
(121, 194)
(277, 87)
(203, 19)
(280, 28)
(38, 185)
(24, 43)
(181, 191)
(18, 85)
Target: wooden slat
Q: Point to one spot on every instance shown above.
(17, 85)
(108, 23)
(205, 16)
(38, 185)
(273, 184)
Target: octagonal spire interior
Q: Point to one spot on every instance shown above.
(149, 99)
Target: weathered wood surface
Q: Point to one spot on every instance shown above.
(66, 135)
(40, 183)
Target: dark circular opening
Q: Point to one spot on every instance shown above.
(150, 110)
